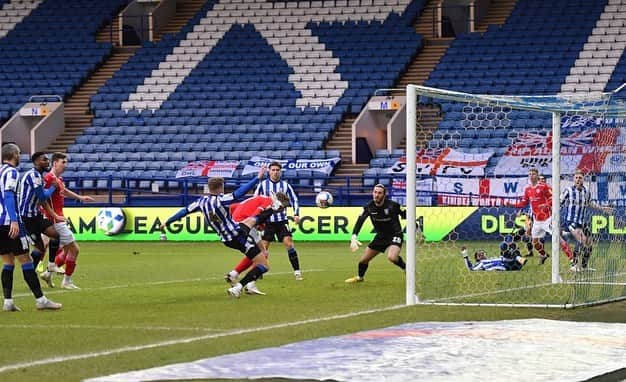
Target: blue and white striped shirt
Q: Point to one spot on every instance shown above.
(8, 182)
(268, 187)
(577, 203)
(215, 211)
(27, 195)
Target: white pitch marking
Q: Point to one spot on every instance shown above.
(108, 327)
(126, 349)
(153, 283)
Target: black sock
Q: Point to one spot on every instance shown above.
(400, 263)
(30, 276)
(254, 274)
(362, 269)
(53, 248)
(264, 215)
(293, 259)
(36, 255)
(7, 280)
(529, 247)
(586, 255)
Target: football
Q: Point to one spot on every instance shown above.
(111, 220)
(324, 199)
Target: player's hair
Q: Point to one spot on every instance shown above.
(36, 156)
(579, 172)
(10, 151)
(481, 254)
(275, 164)
(379, 185)
(532, 169)
(216, 184)
(58, 156)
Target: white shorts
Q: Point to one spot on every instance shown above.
(540, 228)
(65, 234)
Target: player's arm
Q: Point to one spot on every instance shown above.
(293, 198)
(82, 198)
(243, 189)
(48, 208)
(42, 193)
(193, 207)
(14, 227)
(466, 260)
(354, 241)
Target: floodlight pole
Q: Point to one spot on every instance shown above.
(556, 196)
(411, 254)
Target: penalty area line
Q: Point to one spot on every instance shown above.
(155, 345)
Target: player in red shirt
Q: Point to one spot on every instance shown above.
(53, 209)
(539, 196)
(249, 208)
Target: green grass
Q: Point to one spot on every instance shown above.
(136, 294)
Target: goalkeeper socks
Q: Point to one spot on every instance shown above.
(30, 276)
(400, 263)
(254, 274)
(244, 264)
(362, 269)
(53, 248)
(7, 280)
(293, 258)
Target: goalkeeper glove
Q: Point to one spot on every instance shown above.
(354, 243)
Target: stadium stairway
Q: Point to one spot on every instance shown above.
(342, 141)
(185, 10)
(499, 11)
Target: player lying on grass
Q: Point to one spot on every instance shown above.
(250, 208)
(510, 258)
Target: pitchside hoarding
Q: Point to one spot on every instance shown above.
(332, 224)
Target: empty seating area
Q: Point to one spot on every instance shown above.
(262, 88)
(531, 54)
(51, 50)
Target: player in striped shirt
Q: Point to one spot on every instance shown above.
(13, 238)
(31, 194)
(577, 198)
(278, 225)
(214, 207)
(510, 258)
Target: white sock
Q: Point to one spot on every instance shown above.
(67, 279)
(234, 274)
(51, 265)
(41, 299)
(8, 301)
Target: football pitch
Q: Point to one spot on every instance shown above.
(149, 304)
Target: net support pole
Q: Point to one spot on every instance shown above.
(556, 200)
(411, 253)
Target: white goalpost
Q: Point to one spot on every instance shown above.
(492, 141)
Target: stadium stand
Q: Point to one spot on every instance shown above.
(535, 52)
(56, 61)
(262, 78)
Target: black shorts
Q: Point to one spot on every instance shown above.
(381, 242)
(244, 244)
(280, 230)
(35, 226)
(17, 246)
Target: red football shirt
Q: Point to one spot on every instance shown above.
(250, 207)
(57, 199)
(540, 198)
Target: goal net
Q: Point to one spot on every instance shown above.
(478, 159)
